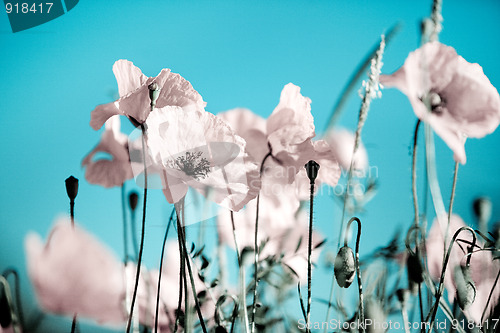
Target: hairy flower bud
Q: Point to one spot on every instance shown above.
(72, 187)
(414, 269)
(312, 169)
(466, 289)
(133, 199)
(344, 267)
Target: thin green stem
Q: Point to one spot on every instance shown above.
(256, 247)
(141, 247)
(161, 269)
(489, 297)
(309, 253)
(124, 217)
(452, 199)
(358, 272)
(181, 231)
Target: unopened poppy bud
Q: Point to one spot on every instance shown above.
(414, 268)
(133, 199)
(72, 187)
(482, 208)
(154, 92)
(466, 289)
(312, 169)
(344, 267)
(403, 295)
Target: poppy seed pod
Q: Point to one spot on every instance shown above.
(466, 289)
(72, 187)
(344, 267)
(312, 169)
(414, 269)
(133, 199)
(154, 92)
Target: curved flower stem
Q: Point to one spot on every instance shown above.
(17, 290)
(141, 247)
(256, 247)
(415, 205)
(309, 252)
(133, 228)
(125, 234)
(452, 199)
(489, 297)
(241, 276)
(72, 211)
(439, 292)
(358, 272)
(161, 267)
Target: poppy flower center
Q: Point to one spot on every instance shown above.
(192, 164)
(435, 101)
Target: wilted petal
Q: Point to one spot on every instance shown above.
(74, 273)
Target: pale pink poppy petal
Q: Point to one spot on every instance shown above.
(102, 113)
(243, 120)
(128, 76)
(329, 170)
(291, 122)
(74, 273)
(134, 99)
(114, 171)
(463, 101)
(341, 142)
(205, 153)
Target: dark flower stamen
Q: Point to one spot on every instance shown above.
(192, 164)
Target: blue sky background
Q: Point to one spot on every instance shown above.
(236, 54)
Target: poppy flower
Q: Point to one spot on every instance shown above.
(452, 95)
(75, 273)
(482, 267)
(114, 171)
(287, 134)
(197, 149)
(135, 102)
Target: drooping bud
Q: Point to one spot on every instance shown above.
(466, 289)
(154, 92)
(133, 199)
(414, 268)
(72, 187)
(312, 169)
(345, 267)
